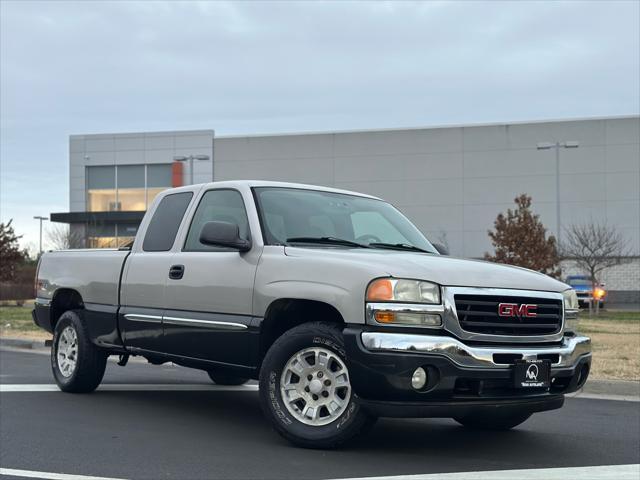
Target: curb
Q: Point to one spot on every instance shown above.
(627, 388)
(24, 343)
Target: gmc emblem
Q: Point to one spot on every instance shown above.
(515, 310)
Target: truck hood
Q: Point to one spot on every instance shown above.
(444, 270)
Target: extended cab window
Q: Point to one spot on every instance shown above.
(163, 227)
(217, 206)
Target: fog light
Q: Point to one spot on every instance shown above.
(419, 378)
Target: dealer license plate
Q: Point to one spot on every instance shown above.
(532, 373)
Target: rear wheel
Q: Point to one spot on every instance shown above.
(305, 389)
(493, 421)
(224, 379)
(77, 364)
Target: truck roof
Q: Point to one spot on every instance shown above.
(267, 183)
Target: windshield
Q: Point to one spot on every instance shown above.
(290, 215)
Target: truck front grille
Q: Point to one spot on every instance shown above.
(479, 314)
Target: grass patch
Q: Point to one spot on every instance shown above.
(615, 316)
(615, 339)
(16, 322)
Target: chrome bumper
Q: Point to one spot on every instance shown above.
(569, 352)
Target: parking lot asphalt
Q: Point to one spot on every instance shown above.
(156, 422)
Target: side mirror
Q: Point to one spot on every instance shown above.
(223, 234)
(442, 250)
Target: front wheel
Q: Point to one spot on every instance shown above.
(78, 365)
(305, 389)
(495, 421)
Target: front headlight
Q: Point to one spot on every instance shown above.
(571, 309)
(403, 290)
(393, 301)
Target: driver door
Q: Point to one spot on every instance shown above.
(209, 309)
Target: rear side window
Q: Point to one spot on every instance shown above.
(163, 227)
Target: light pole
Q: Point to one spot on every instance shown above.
(38, 217)
(557, 146)
(190, 159)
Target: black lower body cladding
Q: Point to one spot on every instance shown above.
(41, 317)
(382, 381)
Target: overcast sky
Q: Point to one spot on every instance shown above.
(243, 68)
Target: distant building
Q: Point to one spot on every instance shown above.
(451, 181)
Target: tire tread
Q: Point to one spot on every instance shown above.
(363, 421)
(92, 360)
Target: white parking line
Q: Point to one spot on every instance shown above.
(49, 476)
(161, 387)
(605, 472)
(124, 387)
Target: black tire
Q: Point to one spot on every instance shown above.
(91, 361)
(495, 421)
(353, 421)
(224, 379)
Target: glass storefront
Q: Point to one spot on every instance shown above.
(130, 181)
(122, 188)
(125, 187)
(158, 177)
(101, 189)
(110, 235)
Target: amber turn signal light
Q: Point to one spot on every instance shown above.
(383, 316)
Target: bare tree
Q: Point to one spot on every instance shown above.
(61, 237)
(594, 247)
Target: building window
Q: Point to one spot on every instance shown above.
(125, 187)
(126, 233)
(131, 188)
(110, 235)
(102, 235)
(101, 189)
(158, 179)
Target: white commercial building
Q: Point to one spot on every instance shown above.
(451, 181)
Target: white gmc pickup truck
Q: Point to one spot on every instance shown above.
(333, 300)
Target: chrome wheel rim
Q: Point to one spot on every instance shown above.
(67, 354)
(315, 386)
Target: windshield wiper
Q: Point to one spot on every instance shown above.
(399, 246)
(326, 241)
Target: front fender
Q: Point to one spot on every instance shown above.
(339, 282)
(337, 296)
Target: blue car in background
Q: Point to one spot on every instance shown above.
(583, 286)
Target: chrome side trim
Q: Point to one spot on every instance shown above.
(136, 317)
(569, 352)
(451, 324)
(204, 323)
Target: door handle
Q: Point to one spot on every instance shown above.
(176, 272)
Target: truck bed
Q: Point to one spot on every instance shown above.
(94, 273)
